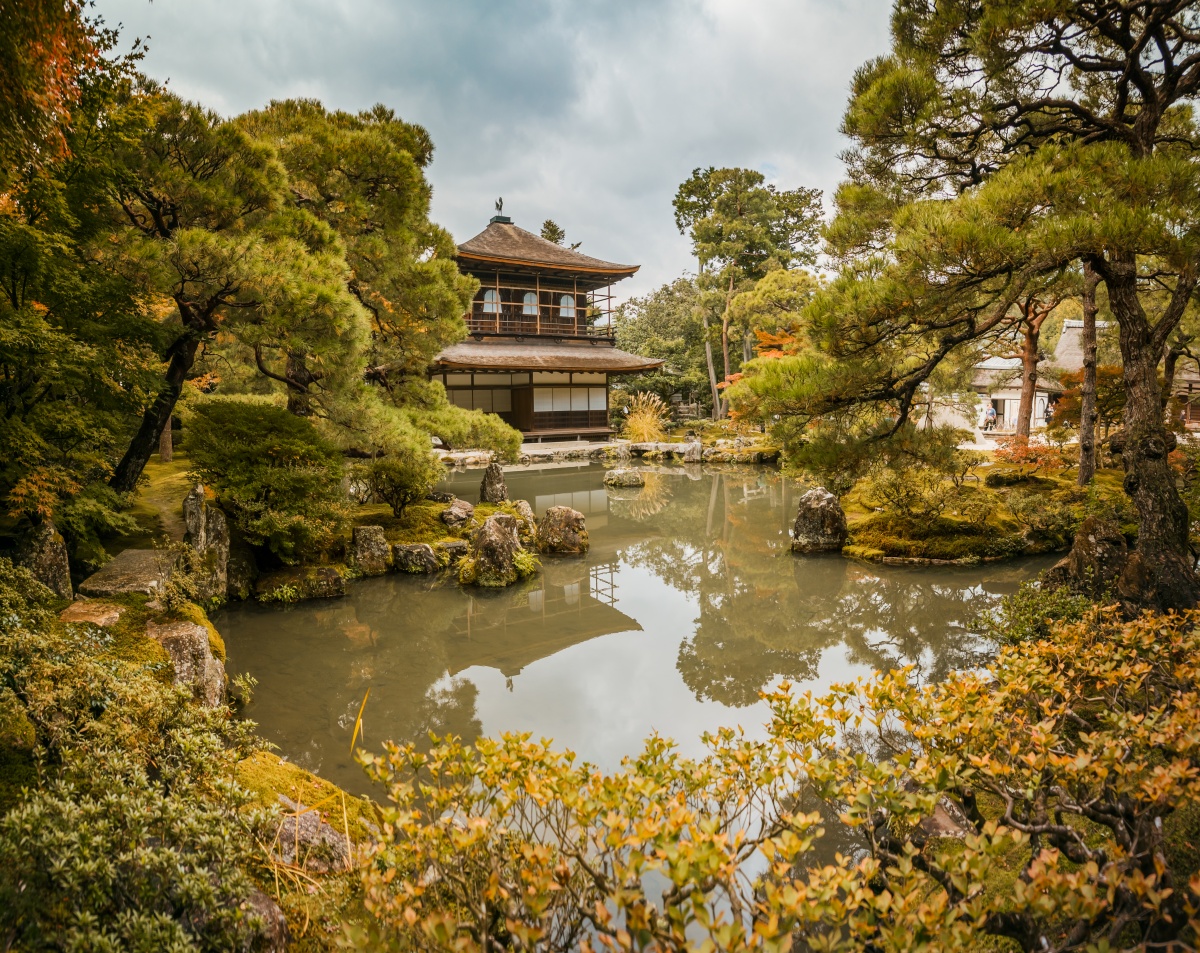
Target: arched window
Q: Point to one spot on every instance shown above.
(531, 303)
(491, 301)
(566, 306)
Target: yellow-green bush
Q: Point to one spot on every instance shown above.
(1070, 763)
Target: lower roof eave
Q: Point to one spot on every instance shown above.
(577, 358)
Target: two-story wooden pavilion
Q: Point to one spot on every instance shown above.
(540, 352)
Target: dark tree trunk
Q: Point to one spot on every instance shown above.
(157, 416)
(166, 447)
(1087, 388)
(1159, 574)
(299, 378)
(1029, 378)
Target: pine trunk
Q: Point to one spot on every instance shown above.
(1087, 388)
(1029, 379)
(157, 416)
(1160, 573)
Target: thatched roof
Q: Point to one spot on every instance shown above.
(503, 244)
(538, 356)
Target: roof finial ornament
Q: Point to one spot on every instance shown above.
(500, 205)
(500, 216)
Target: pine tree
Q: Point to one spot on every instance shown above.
(1004, 107)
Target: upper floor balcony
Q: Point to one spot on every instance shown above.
(532, 312)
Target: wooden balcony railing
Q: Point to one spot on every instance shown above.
(511, 319)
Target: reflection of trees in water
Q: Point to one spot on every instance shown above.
(766, 614)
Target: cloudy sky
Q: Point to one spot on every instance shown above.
(590, 112)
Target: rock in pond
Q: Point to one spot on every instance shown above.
(300, 583)
(493, 489)
(495, 555)
(450, 551)
(208, 534)
(370, 551)
(143, 571)
(457, 514)
(416, 558)
(527, 531)
(306, 840)
(563, 531)
(624, 476)
(45, 555)
(694, 452)
(191, 655)
(820, 525)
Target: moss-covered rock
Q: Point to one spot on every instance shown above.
(300, 583)
(267, 777)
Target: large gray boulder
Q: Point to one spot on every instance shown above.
(562, 531)
(370, 552)
(458, 514)
(144, 571)
(493, 489)
(207, 532)
(415, 558)
(492, 561)
(820, 525)
(693, 452)
(624, 476)
(192, 658)
(45, 555)
(306, 840)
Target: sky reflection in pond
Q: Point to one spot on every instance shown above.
(688, 605)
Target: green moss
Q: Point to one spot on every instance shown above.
(266, 776)
(863, 552)
(941, 538)
(421, 523)
(128, 636)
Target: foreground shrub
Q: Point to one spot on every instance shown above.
(1067, 761)
(280, 480)
(129, 835)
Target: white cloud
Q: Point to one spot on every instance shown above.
(590, 112)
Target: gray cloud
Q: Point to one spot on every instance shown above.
(590, 112)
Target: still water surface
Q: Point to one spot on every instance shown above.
(688, 605)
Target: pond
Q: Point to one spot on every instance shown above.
(688, 605)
